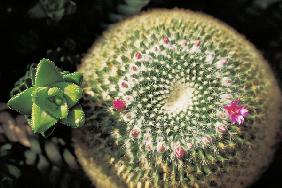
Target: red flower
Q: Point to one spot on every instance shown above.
(236, 112)
(119, 104)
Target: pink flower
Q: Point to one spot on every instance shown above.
(221, 128)
(166, 40)
(183, 43)
(149, 146)
(179, 152)
(148, 136)
(207, 140)
(128, 98)
(128, 116)
(157, 49)
(147, 57)
(236, 112)
(138, 55)
(189, 145)
(196, 46)
(119, 104)
(135, 133)
(133, 68)
(161, 147)
(220, 63)
(124, 84)
(197, 43)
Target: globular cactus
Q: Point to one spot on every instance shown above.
(175, 98)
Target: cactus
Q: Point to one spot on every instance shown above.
(175, 98)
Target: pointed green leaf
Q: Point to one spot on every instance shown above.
(22, 102)
(71, 91)
(41, 120)
(47, 74)
(75, 78)
(65, 72)
(52, 101)
(76, 117)
(48, 132)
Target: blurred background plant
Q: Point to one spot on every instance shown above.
(29, 160)
(53, 9)
(63, 30)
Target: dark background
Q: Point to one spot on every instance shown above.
(25, 40)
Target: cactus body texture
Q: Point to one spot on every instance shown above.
(176, 99)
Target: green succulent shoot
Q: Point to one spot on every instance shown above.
(53, 97)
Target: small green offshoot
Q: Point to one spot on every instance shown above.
(52, 97)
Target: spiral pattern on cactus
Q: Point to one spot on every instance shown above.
(176, 99)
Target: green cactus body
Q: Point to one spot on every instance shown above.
(157, 86)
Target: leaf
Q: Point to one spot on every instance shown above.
(48, 132)
(22, 102)
(46, 98)
(76, 117)
(137, 3)
(41, 120)
(75, 77)
(47, 74)
(14, 170)
(71, 91)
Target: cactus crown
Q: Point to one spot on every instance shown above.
(173, 90)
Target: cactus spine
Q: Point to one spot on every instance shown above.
(176, 99)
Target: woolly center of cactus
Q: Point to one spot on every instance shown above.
(179, 98)
(170, 93)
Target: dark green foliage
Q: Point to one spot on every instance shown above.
(53, 9)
